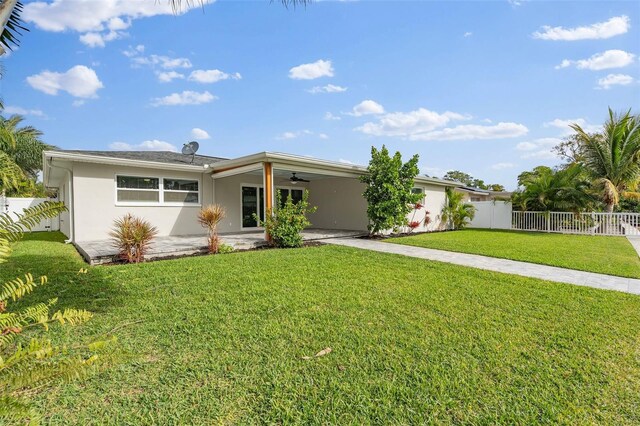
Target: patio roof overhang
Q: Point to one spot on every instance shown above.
(302, 164)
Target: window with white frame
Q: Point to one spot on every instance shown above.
(155, 190)
(296, 195)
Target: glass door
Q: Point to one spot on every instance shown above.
(252, 203)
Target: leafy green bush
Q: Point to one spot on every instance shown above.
(29, 362)
(456, 214)
(285, 224)
(132, 237)
(388, 193)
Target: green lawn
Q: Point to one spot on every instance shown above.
(222, 341)
(605, 255)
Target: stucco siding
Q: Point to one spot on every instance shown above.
(63, 195)
(340, 204)
(95, 202)
(434, 200)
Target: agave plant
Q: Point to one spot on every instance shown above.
(132, 236)
(209, 217)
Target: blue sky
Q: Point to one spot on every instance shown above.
(483, 87)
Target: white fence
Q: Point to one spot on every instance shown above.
(16, 205)
(491, 215)
(583, 223)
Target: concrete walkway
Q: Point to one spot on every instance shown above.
(532, 270)
(635, 242)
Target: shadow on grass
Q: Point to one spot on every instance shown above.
(70, 279)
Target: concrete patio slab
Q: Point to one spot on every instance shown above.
(98, 252)
(532, 270)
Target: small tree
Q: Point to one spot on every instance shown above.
(209, 217)
(388, 194)
(285, 224)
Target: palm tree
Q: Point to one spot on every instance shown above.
(20, 152)
(545, 189)
(456, 214)
(613, 158)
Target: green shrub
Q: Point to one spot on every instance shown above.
(284, 224)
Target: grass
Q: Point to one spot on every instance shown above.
(605, 255)
(222, 340)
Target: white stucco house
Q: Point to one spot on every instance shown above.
(168, 188)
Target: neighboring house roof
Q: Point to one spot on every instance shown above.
(203, 163)
(152, 156)
(474, 190)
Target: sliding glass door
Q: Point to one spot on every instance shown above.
(252, 203)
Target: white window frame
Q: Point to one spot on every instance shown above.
(299, 188)
(424, 193)
(258, 186)
(160, 202)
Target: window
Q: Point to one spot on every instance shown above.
(154, 190)
(180, 191)
(252, 203)
(138, 189)
(296, 195)
(417, 191)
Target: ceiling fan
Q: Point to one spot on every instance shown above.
(295, 179)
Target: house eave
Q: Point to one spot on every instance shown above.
(85, 158)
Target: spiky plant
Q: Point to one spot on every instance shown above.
(612, 158)
(209, 217)
(132, 236)
(27, 363)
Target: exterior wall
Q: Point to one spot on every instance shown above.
(340, 204)
(65, 217)
(433, 202)
(95, 202)
(228, 194)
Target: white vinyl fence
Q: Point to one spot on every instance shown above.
(491, 215)
(17, 205)
(572, 223)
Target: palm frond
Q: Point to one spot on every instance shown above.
(12, 25)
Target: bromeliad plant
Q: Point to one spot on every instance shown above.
(285, 224)
(132, 236)
(28, 361)
(209, 217)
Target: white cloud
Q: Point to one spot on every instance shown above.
(474, 131)
(323, 136)
(169, 76)
(212, 76)
(150, 145)
(23, 111)
(502, 166)
(538, 149)
(320, 68)
(78, 103)
(164, 62)
(133, 51)
(566, 130)
(614, 80)
(329, 116)
(406, 124)
(468, 34)
(186, 97)
(601, 61)
(294, 135)
(79, 81)
(367, 107)
(329, 88)
(601, 30)
(197, 133)
(104, 19)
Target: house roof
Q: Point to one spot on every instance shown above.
(203, 163)
(167, 157)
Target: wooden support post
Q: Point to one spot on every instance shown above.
(268, 192)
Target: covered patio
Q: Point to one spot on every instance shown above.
(99, 252)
